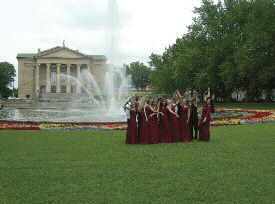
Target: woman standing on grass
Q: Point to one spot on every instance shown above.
(143, 131)
(204, 133)
(183, 112)
(173, 121)
(164, 128)
(152, 114)
(131, 135)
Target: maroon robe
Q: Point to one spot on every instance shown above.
(164, 128)
(204, 133)
(143, 131)
(183, 125)
(174, 126)
(131, 135)
(153, 126)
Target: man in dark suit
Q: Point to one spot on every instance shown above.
(193, 118)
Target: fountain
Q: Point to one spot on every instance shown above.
(101, 103)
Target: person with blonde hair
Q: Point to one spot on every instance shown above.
(204, 125)
(152, 112)
(143, 131)
(183, 112)
(173, 121)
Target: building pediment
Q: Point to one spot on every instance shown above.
(62, 52)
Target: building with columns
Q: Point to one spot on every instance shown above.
(44, 75)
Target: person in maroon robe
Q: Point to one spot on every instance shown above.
(152, 113)
(164, 128)
(131, 135)
(143, 131)
(183, 112)
(173, 121)
(204, 133)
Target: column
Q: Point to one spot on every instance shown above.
(48, 78)
(68, 80)
(78, 88)
(37, 81)
(58, 86)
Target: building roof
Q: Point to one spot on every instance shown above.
(54, 49)
(26, 55)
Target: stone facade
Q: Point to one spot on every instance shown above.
(51, 73)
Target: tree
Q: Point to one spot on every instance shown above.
(230, 46)
(140, 74)
(163, 76)
(7, 74)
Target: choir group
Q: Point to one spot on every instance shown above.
(165, 120)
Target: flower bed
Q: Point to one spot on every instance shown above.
(6, 125)
(257, 116)
(83, 126)
(254, 117)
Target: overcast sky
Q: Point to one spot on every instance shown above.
(143, 26)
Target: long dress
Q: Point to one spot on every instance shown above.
(164, 128)
(131, 135)
(204, 133)
(143, 132)
(153, 127)
(174, 126)
(183, 125)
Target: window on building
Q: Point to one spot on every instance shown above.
(53, 74)
(53, 89)
(63, 74)
(63, 89)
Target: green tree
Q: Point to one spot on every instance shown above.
(163, 76)
(256, 56)
(7, 74)
(230, 46)
(140, 74)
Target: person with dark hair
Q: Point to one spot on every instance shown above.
(204, 133)
(164, 128)
(143, 132)
(131, 135)
(193, 118)
(173, 121)
(126, 107)
(178, 94)
(152, 114)
(212, 106)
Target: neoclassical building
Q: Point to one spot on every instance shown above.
(44, 75)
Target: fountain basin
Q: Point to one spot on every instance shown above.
(65, 115)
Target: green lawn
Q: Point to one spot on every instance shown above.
(237, 166)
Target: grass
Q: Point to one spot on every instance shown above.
(237, 166)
